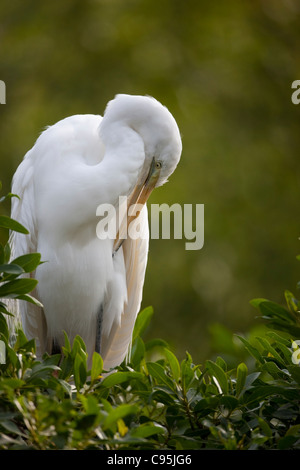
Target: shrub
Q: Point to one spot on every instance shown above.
(147, 403)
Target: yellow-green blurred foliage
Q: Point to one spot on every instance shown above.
(224, 69)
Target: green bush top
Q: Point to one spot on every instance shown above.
(155, 400)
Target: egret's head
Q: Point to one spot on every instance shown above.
(158, 129)
(162, 143)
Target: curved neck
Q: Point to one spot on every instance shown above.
(122, 163)
(116, 175)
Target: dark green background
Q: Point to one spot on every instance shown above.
(224, 69)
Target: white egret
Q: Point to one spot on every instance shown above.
(89, 286)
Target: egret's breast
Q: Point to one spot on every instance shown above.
(72, 285)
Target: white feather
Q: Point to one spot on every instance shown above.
(75, 165)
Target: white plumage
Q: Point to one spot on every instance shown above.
(76, 165)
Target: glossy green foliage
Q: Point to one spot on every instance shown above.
(155, 404)
(154, 400)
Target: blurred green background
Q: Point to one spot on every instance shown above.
(224, 69)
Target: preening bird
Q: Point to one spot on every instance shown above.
(89, 285)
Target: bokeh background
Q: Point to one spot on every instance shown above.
(224, 69)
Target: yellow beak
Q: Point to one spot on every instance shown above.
(138, 198)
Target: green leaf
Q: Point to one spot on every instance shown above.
(207, 405)
(265, 427)
(8, 196)
(260, 392)
(17, 287)
(3, 326)
(294, 431)
(294, 370)
(137, 352)
(28, 262)
(118, 413)
(221, 363)
(229, 402)
(272, 310)
(117, 378)
(287, 442)
(161, 396)
(218, 373)
(156, 343)
(90, 404)
(252, 350)
(12, 383)
(174, 364)
(158, 372)
(30, 299)
(97, 366)
(42, 370)
(78, 348)
(142, 321)
(187, 372)
(67, 345)
(21, 340)
(80, 371)
(12, 357)
(3, 309)
(242, 371)
(6, 253)
(256, 302)
(11, 224)
(279, 339)
(146, 430)
(292, 302)
(66, 366)
(11, 427)
(270, 350)
(274, 370)
(11, 269)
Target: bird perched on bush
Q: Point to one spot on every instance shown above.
(90, 285)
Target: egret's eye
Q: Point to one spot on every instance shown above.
(158, 165)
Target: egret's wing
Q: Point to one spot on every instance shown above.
(115, 347)
(23, 210)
